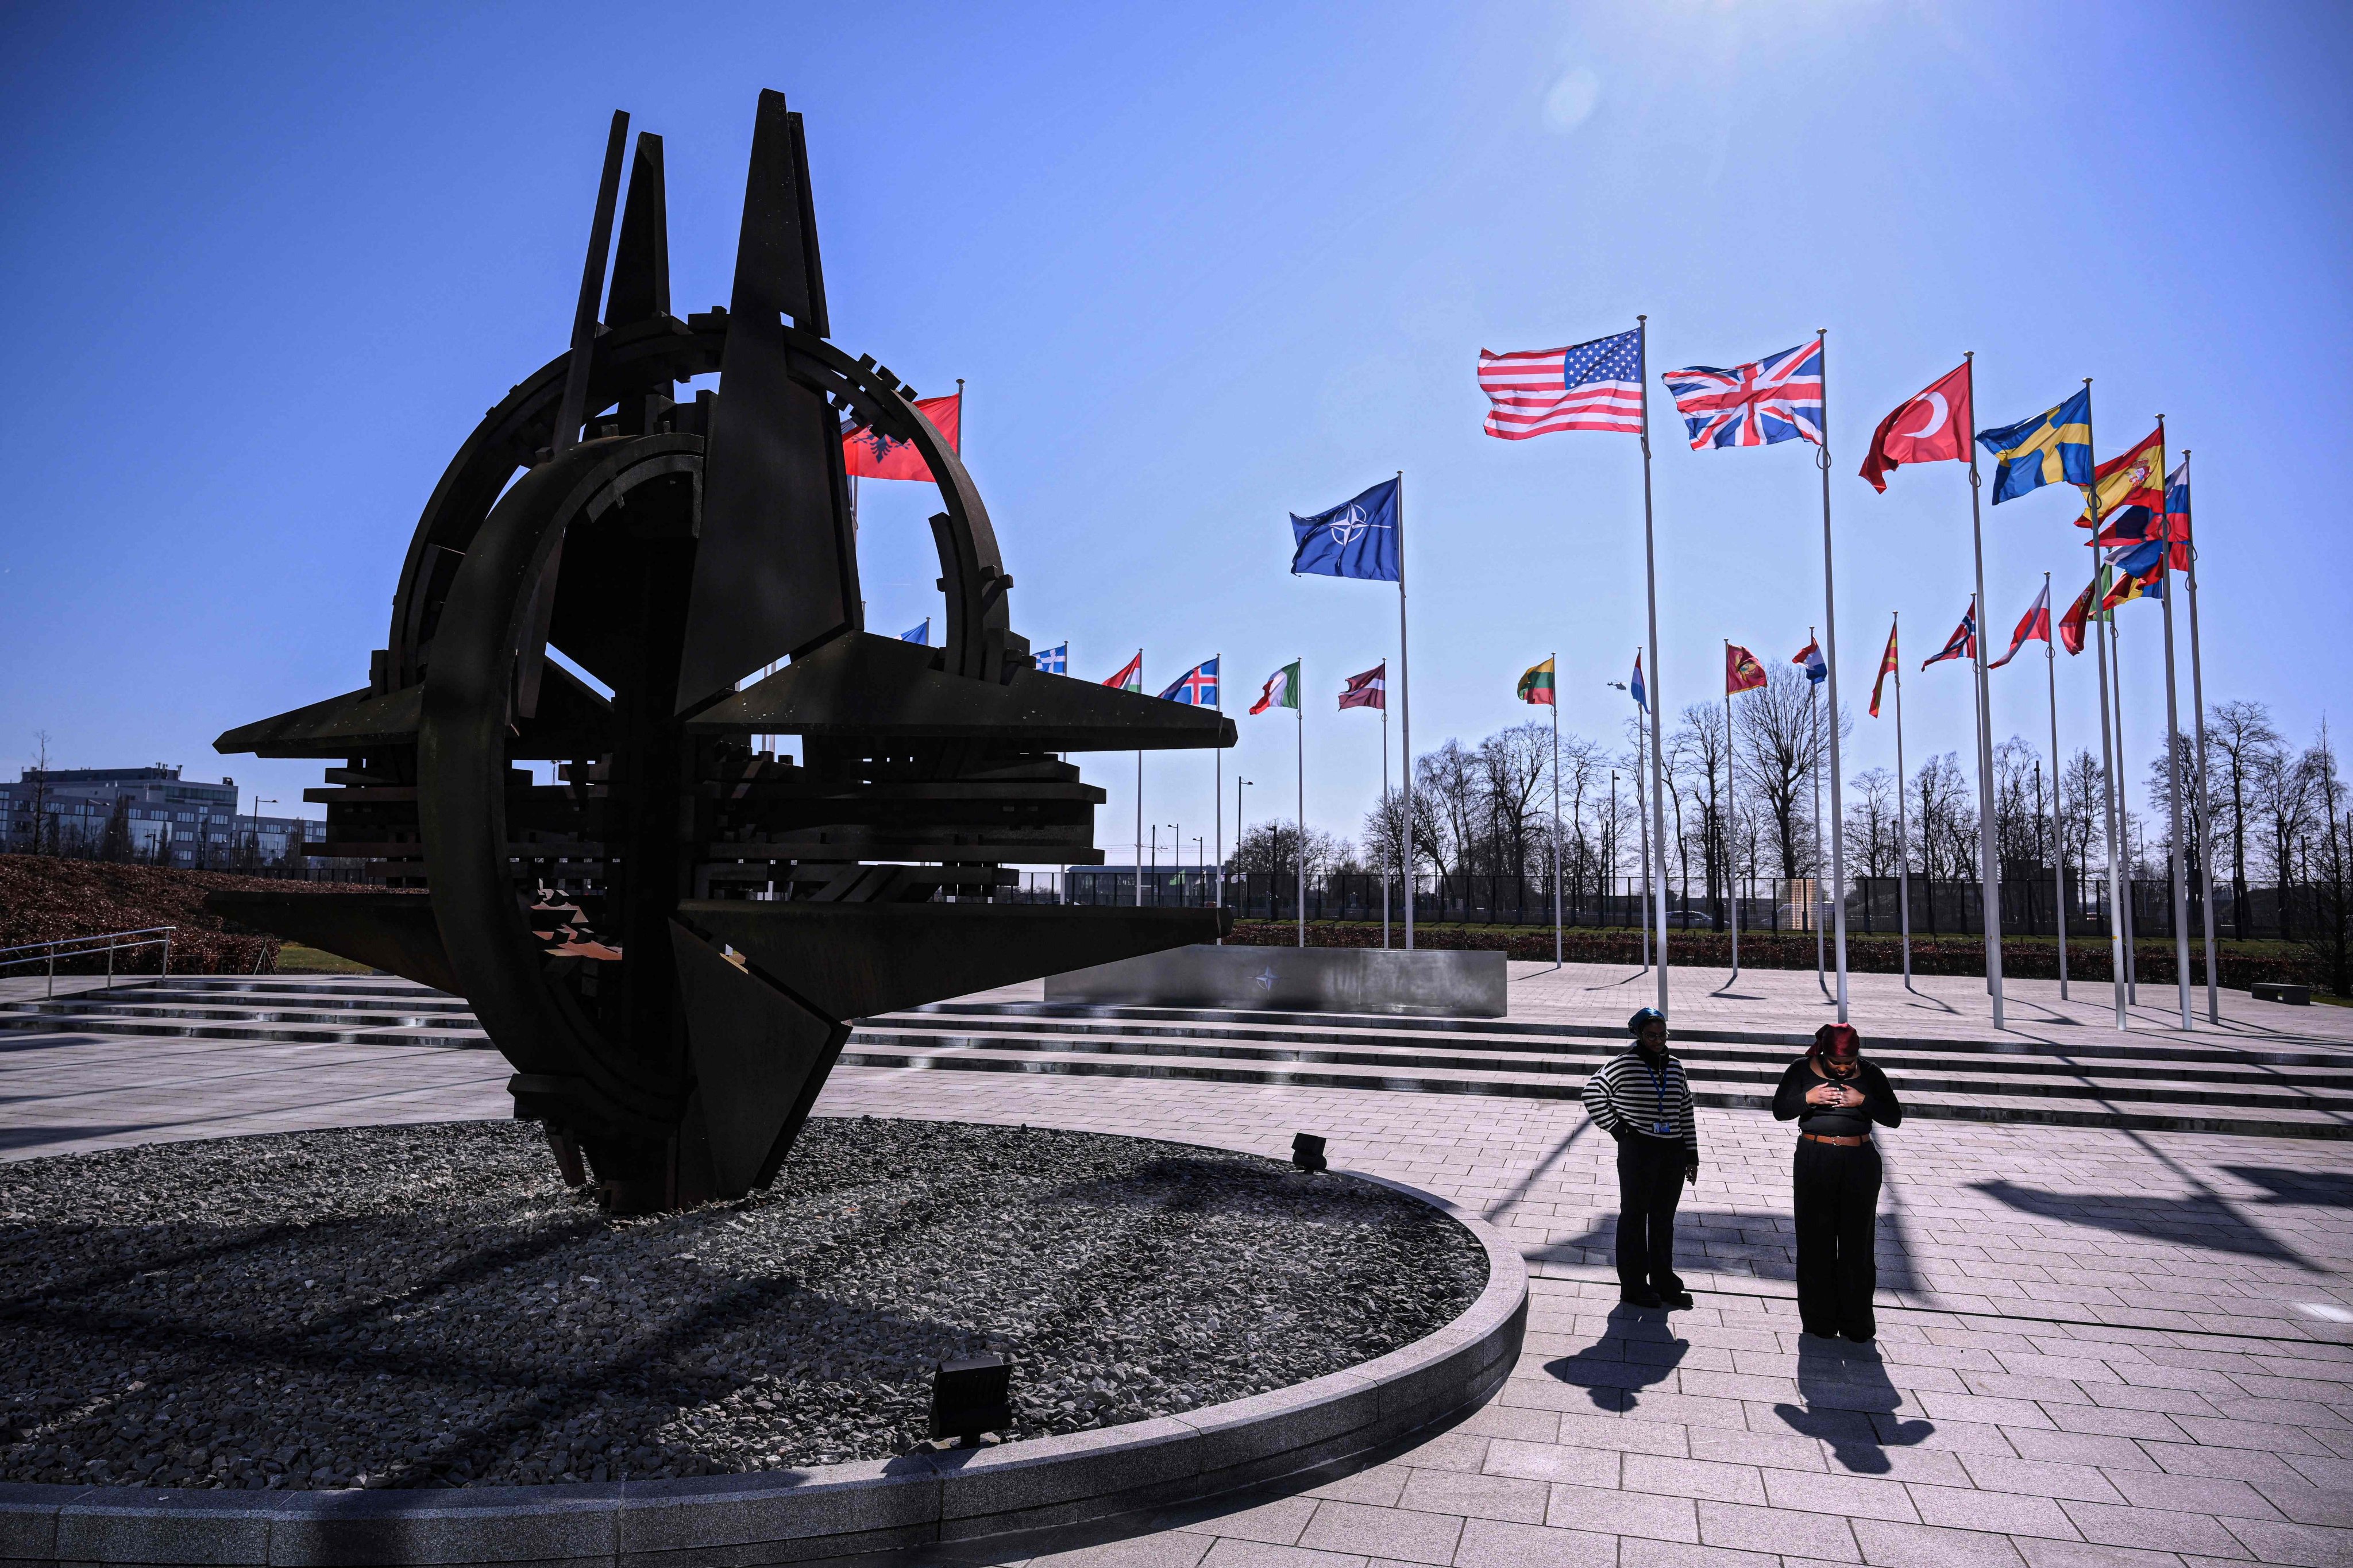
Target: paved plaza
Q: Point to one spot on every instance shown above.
(2097, 1347)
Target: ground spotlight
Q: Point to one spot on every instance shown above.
(970, 1396)
(1308, 1152)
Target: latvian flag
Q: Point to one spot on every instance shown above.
(1370, 689)
(1282, 690)
(1594, 386)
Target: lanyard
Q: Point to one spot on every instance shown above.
(1659, 1124)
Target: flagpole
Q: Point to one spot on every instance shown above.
(2173, 762)
(1385, 803)
(1218, 792)
(1731, 888)
(1405, 718)
(1814, 728)
(2058, 845)
(2107, 752)
(1554, 659)
(2205, 789)
(1903, 823)
(1829, 654)
(1989, 845)
(1650, 579)
(1643, 819)
(1139, 779)
(2123, 815)
(1299, 713)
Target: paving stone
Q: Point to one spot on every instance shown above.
(1496, 1544)
(2195, 1494)
(1278, 1523)
(2042, 1554)
(1402, 1533)
(1473, 1496)
(1231, 1552)
(2159, 1530)
(1555, 1462)
(2040, 1478)
(1887, 1544)
(1637, 1551)
(1621, 1512)
(2009, 1514)
(1693, 1478)
(1172, 1549)
(2297, 1545)
(1784, 1531)
(1856, 1497)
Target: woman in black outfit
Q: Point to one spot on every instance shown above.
(1834, 1095)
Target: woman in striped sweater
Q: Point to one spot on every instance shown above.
(1642, 1099)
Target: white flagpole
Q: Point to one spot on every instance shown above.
(1650, 579)
(1555, 659)
(2173, 777)
(1814, 728)
(1384, 801)
(1139, 796)
(2124, 815)
(2107, 750)
(1404, 716)
(1902, 822)
(2205, 789)
(1829, 654)
(1642, 821)
(1218, 792)
(1731, 888)
(1988, 843)
(2058, 846)
(1299, 713)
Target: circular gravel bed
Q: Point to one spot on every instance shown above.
(429, 1306)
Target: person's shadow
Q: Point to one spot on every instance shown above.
(1637, 1350)
(1849, 1404)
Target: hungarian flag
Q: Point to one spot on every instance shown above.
(2036, 626)
(2135, 478)
(1741, 670)
(1811, 655)
(1931, 426)
(1131, 674)
(868, 454)
(1370, 689)
(1282, 690)
(1964, 643)
(1536, 685)
(1886, 669)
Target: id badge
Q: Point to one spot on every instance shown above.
(1663, 1129)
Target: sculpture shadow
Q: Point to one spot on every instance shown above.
(1723, 1241)
(2204, 1219)
(2302, 1189)
(1639, 1349)
(1851, 1403)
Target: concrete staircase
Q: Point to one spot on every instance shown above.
(2151, 1083)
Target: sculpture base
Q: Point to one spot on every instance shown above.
(1421, 984)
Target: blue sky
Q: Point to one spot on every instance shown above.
(1201, 267)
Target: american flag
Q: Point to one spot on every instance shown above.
(1585, 386)
(1778, 398)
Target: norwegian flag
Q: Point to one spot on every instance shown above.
(1964, 644)
(1778, 398)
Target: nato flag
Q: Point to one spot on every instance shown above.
(1355, 539)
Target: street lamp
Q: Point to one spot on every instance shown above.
(258, 801)
(1240, 784)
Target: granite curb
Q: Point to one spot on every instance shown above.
(824, 1511)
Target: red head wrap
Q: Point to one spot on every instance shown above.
(1838, 1042)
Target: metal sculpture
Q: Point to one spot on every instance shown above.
(667, 941)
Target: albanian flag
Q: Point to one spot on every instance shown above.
(868, 454)
(1932, 426)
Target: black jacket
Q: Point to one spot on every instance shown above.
(1879, 1102)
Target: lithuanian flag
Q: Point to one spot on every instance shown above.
(1535, 686)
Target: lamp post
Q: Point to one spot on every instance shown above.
(1240, 784)
(258, 801)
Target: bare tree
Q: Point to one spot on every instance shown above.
(1447, 801)
(1700, 747)
(1870, 822)
(1514, 769)
(2285, 799)
(2241, 734)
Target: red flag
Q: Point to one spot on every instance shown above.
(1741, 670)
(1931, 428)
(2071, 625)
(2130, 478)
(1886, 669)
(1964, 643)
(1131, 674)
(2036, 626)
(870, 454)
(1370, 689)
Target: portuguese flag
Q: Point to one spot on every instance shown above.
(1535, 686)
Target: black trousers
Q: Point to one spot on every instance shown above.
(1649, 1185)
(1838, 1208)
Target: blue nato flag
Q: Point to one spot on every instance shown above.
(1355, 539)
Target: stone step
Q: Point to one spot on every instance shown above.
(387, 1029)
(2042, 1110)
(1696, 1051)
(1968, 1075)
(2271, 1050)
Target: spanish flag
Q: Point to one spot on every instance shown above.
(1535, 686)
(1886, 669)
(2054, 445)
(2135, 479)
(1742, 672)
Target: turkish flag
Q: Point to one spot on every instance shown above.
(1932, 427)
(868, 454)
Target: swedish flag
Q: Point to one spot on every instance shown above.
(2054, 445)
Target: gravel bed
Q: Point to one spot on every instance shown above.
(429, 1306)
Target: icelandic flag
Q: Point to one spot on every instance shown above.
(1197, 686)
(922, 634)
(1055, 660)
(1358, 538)
(1641, 693)
(1811, 655)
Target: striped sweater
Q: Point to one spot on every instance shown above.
(1627, 1096)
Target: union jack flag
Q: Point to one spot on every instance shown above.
(1778, 398)
(1197, 686)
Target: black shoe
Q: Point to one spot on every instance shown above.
(1640, 1298)
(1680, 1301)
(1860, 1339)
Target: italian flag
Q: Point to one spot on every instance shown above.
(1535, 686)
(1282, 690)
